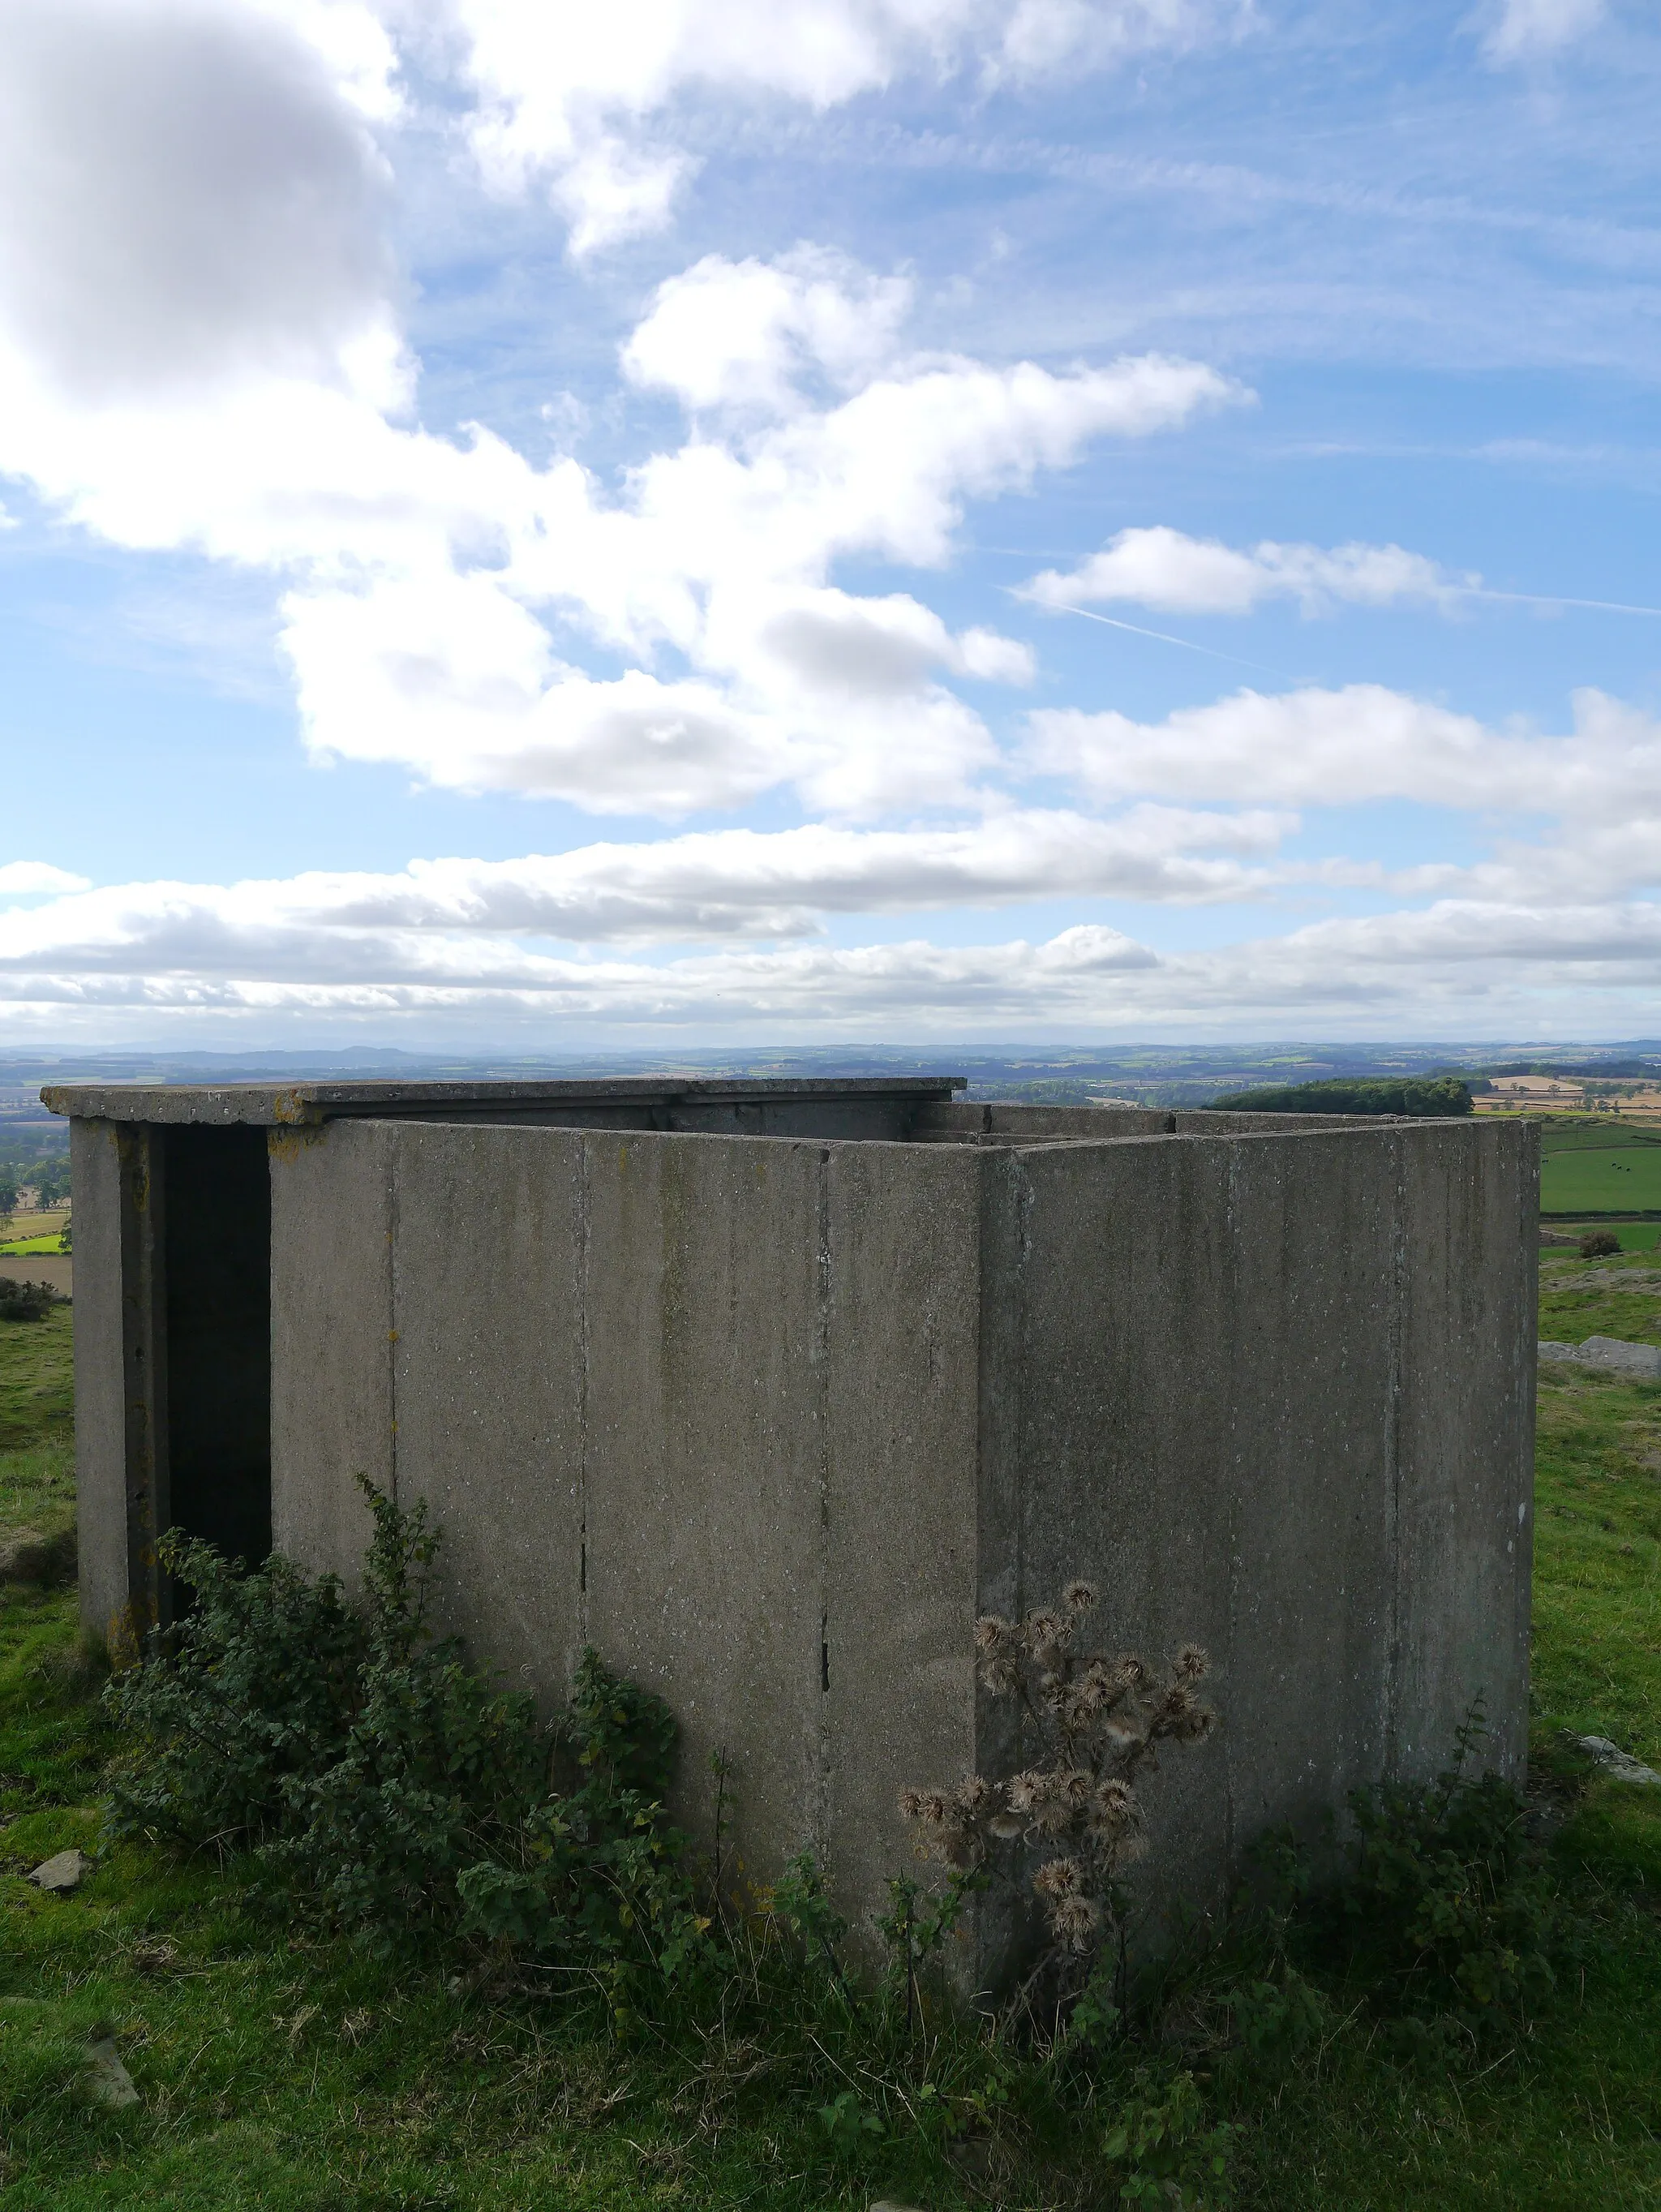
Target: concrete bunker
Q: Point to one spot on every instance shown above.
(766, 1390)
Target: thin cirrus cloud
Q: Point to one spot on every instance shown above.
(1164, 568)
(1527, 30)
(579, 100)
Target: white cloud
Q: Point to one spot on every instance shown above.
(1163, 569)
(444, 597)
(719, 554)
(24, 878)
(744, 334)
(467, 920)
(1526, 29)
(585, 97)
(192, 193)
(1317, 747)
(1457, 961)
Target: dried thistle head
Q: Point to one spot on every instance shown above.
(1072, 1788)
(1136, 1674)
(1047, 1632)
(1075, 1921)
(1058, 1878)
(1114, 1811)
(931, 1808)
(1079, 1595)
(1025, 1792)
(1195, 1724)
(977, 1797)
(1191, 1663)
(1000, 1644)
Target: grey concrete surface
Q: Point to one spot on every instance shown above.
(857, 1106)
(101, 1416)
(332, 1219)
(768, 1419)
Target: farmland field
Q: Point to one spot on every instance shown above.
(1609, 1178)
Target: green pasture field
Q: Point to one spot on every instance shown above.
(32, 1247)
(282, 2070)
(1602, 1179)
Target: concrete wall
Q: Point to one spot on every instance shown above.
(770, 1418)
(100, 1412)
(710, 1404)
(769, 1421)
(120, 1377)
(1275, 1393)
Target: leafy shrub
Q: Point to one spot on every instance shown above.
(1435, 1096)
(25, 1301)
(1443, 1907)
(379, 1777)
(1164, 2148)
(1600, 1244)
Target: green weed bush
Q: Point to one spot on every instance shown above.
(389, 1787)
(1445, 1909)
(25, 1301)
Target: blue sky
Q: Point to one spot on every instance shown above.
(705, 520)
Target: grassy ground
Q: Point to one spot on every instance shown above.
(1619, 1296)
(1635, 1236)
(1612, 1181)
(299, 2075)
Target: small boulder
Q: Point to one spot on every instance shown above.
(61, 1873)
(27, 1557)
(1615, 1761)
(108, 2082)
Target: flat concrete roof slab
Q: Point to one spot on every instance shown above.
(277, 1105)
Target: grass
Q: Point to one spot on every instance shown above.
(299, 2074)
(1619, 1296)
(1612, 1179)
(1633, 1236)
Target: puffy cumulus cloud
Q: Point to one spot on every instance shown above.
(1525, 30)
(192, 194)
(1162, 568)
(747, 334)
(26, 879)
(444, 596)
(719, 554)
(584, 98)
(1316, 747)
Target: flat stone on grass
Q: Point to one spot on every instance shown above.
(61, 1873)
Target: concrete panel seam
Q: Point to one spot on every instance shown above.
(1398, 1293)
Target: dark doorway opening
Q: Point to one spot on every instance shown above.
(218, 1241)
